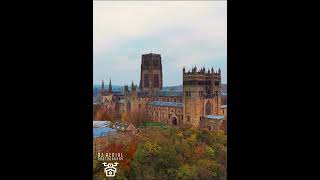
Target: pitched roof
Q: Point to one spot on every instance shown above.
(214, 117)
(169, 93)
(166, 104)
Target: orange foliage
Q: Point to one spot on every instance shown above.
(132, 147)
(114, 148)
(199, 151)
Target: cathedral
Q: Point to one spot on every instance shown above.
(198, 105)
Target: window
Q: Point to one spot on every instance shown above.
(208, 108)
(156, 80)
(216, 83)
(146, 63)
(146, 80)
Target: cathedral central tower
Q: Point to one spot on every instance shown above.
(151, 73)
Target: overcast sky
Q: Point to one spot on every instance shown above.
(184, 33)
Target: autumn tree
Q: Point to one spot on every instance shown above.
(104, 115)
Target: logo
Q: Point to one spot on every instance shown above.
(109, 156)
(110, 169)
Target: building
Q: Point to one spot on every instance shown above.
(199, 100)
(201, 94)
(224, 110)
(151, 73)
(213, 123)
(101, 130)
(167, 112)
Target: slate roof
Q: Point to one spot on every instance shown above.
(102, 131)
(166, 104)
(214, 117)
(169, 93)
(161, 93)
(142, 93)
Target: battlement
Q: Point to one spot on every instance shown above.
(202, 71)
(151, 55)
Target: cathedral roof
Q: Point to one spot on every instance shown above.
(169, 93)
(214, 117)
(166, 104)
(161, 93)
(141, 93)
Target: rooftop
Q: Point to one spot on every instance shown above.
(169, 93)
(98, 124)
(214, 117)
(166, 104)
(102, 131)
(161, 93)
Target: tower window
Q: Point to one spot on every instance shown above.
(146, 80)
(146, 63)
(156, 80)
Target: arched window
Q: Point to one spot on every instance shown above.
(208, 108)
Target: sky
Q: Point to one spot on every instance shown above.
(185, 33)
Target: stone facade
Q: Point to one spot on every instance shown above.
(151, 73)
(201, 95)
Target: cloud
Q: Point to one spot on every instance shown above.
(184, 33)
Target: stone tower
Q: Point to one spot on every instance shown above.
(151, 73)
(201, 95)
(133, 98)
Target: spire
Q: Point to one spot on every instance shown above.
(184, 69)
(102, 88)
(212, 70)
(133, 87)
(219, 71)
(110, 87)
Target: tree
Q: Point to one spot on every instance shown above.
(104, 115)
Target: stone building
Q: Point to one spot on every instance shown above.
(151, 73)
(200, 97)
(168, 112)
(201, 94)
(213, 123)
